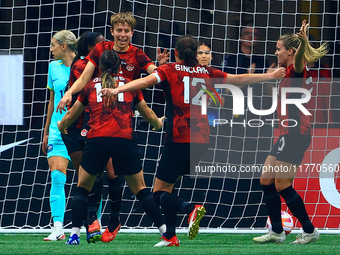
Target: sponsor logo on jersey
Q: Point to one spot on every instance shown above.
(84, 132)
(130, 67)
(49, 148)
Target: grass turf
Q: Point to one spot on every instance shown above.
(126, 243)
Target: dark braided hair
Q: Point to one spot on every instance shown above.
(86, 39)
(187, 49)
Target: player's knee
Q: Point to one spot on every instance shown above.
(266, 181)
(282, 183)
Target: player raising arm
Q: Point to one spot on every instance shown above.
(75, 143)
(133, 60)
(187, 130)
(110, 136)
(292, 51)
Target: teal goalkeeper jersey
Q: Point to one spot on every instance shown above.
(58, 76)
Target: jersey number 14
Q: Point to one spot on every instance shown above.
(98, 87)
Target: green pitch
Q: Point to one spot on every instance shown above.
(143, 244)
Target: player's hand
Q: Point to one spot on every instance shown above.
(160, 124)
(302, 34)
(63, 131)
(108, 92)
(162, 57)
(44, 144)
(279, 73)
(65, 101)
(272, 68)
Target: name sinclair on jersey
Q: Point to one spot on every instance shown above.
(191, 69)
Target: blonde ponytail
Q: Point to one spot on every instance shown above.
(311, 54)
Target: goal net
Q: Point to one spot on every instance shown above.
(233, 198)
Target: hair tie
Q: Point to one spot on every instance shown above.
(60, 41)
(109, 70)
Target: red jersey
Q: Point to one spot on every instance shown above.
(294, 79)
(133, 62)
(183, 87)
(320, 104)
(113, 120)
(76, 70)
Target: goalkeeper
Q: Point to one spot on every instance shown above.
(63, 47)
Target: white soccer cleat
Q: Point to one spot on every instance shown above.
(271, 236)
(305, 238)
(56, 235)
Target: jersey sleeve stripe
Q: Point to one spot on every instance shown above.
(158, 78)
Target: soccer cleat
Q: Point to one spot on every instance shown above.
(73, 240)
(168, 242)
(305, 238)
(108, 236)
(271, 236)
(194, 221)
(93, 233)
(56, 235)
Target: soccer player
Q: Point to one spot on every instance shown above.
(75, 142)
(292, 51)
(187, 130)
(133, 60)
(63, 47)
(110, 136)
(204, 55)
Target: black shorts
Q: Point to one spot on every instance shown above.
(178, 159)
(124, 154)
(291, 148)
(73, 141)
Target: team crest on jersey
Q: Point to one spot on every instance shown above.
(83, 133)
(49, 148)
(130, 67)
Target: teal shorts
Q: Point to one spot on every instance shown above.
(56, 148)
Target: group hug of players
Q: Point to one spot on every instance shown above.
(103, 86)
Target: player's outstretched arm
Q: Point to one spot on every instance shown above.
(141, 83)
(70, 116)
(149, 115)
(298, 57)
(79, 84)
(246, 79)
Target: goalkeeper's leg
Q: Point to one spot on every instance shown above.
(57, 196)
